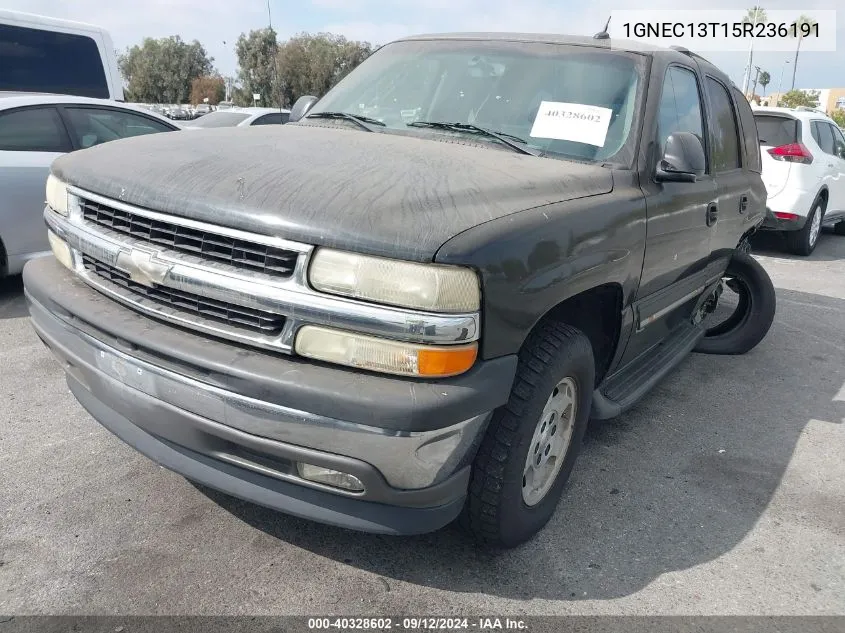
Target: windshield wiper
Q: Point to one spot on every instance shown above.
(514, 142)
(363, 122)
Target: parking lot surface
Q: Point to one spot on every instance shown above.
(720, 493)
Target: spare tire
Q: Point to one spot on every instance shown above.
(749, 323)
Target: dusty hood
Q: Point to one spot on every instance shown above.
(371, 192)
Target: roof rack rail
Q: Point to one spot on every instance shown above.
(683, 50)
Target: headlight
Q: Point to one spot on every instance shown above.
(57, 195)
(376, 354)
(60, 249)
(431, 287)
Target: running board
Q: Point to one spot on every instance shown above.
(625, 388)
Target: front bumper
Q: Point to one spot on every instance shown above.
(238, 420)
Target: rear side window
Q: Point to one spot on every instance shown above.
(34, 60)
(749, 132)
(823, 135)
(775, 131)
(33, 130)
(275, 118)
(723, 132)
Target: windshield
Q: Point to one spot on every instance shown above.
(564, 101)
(220, 119)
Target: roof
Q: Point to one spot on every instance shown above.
(19, 99)
(548, 38)
(36, 20)
(797, 113)
(253, 110)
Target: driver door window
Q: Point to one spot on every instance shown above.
(680, 106)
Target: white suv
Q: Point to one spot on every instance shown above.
(803, 155)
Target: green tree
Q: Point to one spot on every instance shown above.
(161, 70)
(312, 64)
(799, 25)
(838, 116)
(799, 98)
(764, 80)
(258, 74)
(211, 88)
(754, 15)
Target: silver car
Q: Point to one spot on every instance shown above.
(34, 130)
(240, 117)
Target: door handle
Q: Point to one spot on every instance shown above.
(743, 204)
(712, 213)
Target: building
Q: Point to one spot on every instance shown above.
(830, 99)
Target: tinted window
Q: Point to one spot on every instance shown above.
(221, 119)
(276, 118)
(34, 130)
(33, 60)
(838, 137)
(724, 132)
(823, 135)
(92, 126)
(749, 132)
(680, 106)
(775, 131)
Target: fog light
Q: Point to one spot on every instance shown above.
(330, 477)
(60, 249)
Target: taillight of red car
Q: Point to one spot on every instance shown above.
(792, 153)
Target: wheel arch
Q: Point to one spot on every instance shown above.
(823, 194)
(597, 313)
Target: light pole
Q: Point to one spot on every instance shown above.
(756, 77)
(780, 83)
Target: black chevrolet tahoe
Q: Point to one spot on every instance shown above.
(403, 307)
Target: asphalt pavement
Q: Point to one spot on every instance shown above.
(721, 493)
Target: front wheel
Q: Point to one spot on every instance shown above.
(530, 446)
(746, 309)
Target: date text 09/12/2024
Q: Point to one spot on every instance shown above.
(416, 624)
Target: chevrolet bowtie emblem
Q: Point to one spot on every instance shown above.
(143, 267)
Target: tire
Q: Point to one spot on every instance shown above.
(555, 366)
(750, 323)
(804, 242)
(839, 228)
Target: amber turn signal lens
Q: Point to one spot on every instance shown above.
(378, 354)
(446, 362)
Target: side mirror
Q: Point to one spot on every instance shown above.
(301, 107)
(839, 149)
(683, 159)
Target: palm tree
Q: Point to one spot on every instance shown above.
(798, 28)
(754, 15)
(764, 80)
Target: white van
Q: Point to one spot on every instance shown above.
(41, 54)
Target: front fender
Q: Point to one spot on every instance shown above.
(531, 261)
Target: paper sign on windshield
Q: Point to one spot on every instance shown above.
(572, 122)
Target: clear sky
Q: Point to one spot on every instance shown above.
(217, 24)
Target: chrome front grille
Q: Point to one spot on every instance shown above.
(224, 282)
(188, 303)
(239, 253)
